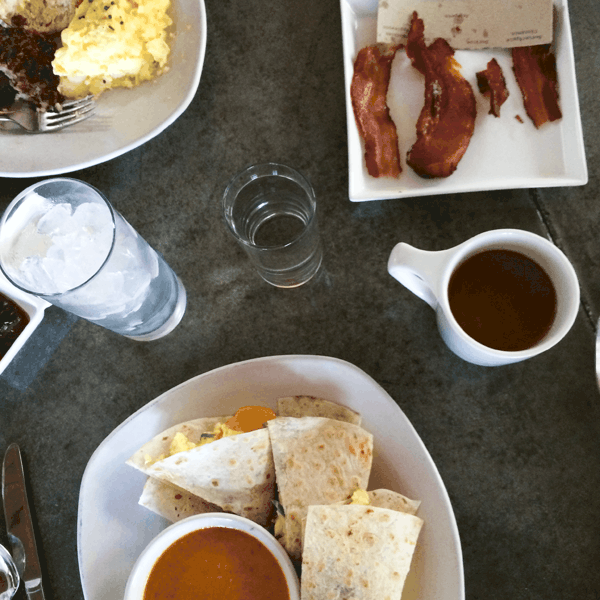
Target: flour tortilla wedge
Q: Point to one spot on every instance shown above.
(317, 461)
(295, 523)
(236, 473)
(159, 445)
(394, 501)
(311, 406)
(359, 552)
(172, 502)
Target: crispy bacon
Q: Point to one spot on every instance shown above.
(491, 83)
(368, 92)
(535, 70)
(447, 120)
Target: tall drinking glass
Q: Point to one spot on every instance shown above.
(61, 240)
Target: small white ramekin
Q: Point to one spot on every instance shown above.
(142, 567)
(32, 305)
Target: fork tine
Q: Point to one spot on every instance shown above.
(71, 107)
(34, 120)
(70, 111)
(78, 102)
(67, 122)
(70, 119)
(65, 114)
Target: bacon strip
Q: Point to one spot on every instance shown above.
(491, 83)
(368, 92)
(535, 70)
(447, 120)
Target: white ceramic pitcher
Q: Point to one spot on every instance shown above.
(427, 275)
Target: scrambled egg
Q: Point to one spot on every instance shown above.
(279, 527)
(181, 443)
(112, 43)
(360, 497)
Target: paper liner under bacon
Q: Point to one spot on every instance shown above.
(368, 92)
(535, 70)
(492, 84)
(447, 120)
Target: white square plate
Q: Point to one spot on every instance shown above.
(113, 529)
(503, 153)
(125, 118)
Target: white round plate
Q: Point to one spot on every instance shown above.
(113, 529)
(125, 118)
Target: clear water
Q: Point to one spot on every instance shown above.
(278, 230)
(274, 218)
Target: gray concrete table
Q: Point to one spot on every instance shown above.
(517, 446)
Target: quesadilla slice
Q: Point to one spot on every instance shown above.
(317, 461)
(231, 469)
(357, 551)
(311, 406)
(384, 499)
(165, 444)
(172, 502)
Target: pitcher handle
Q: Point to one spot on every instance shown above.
(419, 270)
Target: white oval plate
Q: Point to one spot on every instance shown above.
(113, 529)
(125, 118)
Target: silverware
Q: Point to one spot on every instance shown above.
(29, 118)
(18, 524)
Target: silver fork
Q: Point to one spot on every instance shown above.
(34, 120)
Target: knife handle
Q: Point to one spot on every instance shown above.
(35, 592)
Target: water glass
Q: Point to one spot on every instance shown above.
(61, 240)
(272, 213)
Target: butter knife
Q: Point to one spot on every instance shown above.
(18, 523)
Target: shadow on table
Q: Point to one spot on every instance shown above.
(39, 348)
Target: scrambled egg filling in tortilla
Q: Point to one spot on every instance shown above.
(181, 443)
(279, 526)
(112, 43)
(359, 496)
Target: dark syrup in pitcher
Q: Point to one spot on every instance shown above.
(502, 299)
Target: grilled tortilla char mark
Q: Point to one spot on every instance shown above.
(535, 70)
(368, 92)
(491, 83)
(447, 120)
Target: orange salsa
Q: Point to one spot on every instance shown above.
(250, 418)
(216, 563)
